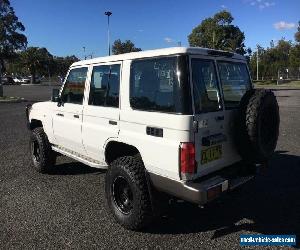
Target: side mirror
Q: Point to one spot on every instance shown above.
(55, 95)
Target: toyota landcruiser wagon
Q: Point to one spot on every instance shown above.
(178, 122)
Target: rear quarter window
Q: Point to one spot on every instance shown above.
(159, 84)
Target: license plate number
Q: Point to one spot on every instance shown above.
(211, 154)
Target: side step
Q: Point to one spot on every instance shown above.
(78, 157)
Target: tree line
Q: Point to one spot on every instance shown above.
(35, 61)
(216, 32)
(280, 61)
(18, 59)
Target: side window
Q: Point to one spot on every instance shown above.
(154, 85)
(105, 83)
(205, 86)
(74, 87)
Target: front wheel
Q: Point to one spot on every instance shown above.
(43, 158)
(127, 192)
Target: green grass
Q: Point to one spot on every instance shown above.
(272, 84)
(9, 99)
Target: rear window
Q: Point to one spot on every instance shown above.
(160, 84)
(235, 82)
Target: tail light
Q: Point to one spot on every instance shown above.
(187, 159)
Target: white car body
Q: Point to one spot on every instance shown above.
(16, 79)
(84, 132)
(21, 80)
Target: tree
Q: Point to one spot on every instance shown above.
(50, 66)
(218, 32)
(37, 60)
(297, 34)
(11, 39)
(62, 64)
(294, 59)
(120, 47)
(274, 59)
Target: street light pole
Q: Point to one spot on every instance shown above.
(1, 86)
(108, 14)
(257, 63)
(84, 52)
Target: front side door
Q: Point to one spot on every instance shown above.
(211, 138)
(101, 112)
(67, 117)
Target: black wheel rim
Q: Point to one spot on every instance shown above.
(122, 194)
(35, 150)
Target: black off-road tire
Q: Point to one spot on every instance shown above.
(43, 157)
(129, 169)
(257, 126)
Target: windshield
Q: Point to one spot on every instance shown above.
(235, 82)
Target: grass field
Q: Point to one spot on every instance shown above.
(266, 84)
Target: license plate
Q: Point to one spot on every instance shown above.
(211, 154)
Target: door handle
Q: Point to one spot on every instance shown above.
(76, 116)
(59, 114)
(112, 122)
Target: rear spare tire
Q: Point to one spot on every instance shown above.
(257, 125)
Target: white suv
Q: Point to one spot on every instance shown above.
(185, 122)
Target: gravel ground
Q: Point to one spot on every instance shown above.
(66, 209)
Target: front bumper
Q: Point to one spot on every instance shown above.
(202, 190)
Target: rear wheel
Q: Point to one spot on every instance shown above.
(43, 158)
(127, 193)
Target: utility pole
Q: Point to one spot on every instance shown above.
(257, 62)
(108, 14)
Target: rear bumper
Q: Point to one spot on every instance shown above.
(202, 190)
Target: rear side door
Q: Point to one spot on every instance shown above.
(212, 142)
(101, 112)
(67, 116)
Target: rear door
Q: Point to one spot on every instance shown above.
(235, 80)
(213, 141)
(101, 112)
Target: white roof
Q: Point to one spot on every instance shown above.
(154, 53)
